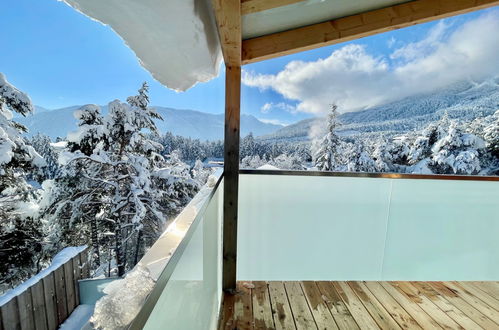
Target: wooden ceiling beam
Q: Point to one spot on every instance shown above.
(356, 26)
(228, 17)
(254, 6)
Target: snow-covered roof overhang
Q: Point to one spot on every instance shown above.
(175, 40)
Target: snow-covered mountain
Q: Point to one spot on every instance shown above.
(465, 100)
(187, 123)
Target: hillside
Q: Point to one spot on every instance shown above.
(462, 100)
(187, 123)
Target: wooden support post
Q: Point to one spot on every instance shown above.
(231, 175)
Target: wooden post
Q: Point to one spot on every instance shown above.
(231, 175)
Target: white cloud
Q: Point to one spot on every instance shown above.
(273, 121)
(267, 107)
(355, 79)
(391, 42)
(424, 47)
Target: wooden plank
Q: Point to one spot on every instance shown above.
(320, 311)
(491, 288)
(281, 310)
(462, 305)
(84, 264)
(25, 304)
(423, 319)
(377, 311)
(398, 313)
(243, 313)
(299, 306)
(77, 276)
(228, 17)
(262, 309)
(453, 312)
(10, 315)
(474, 301)
(227, 320)
(336, 306)
(1, 320)
(355, 306)
(231, 175)
(237, 309)
(50, 301)
(254, 6)
(70, 288)
(429, 307)
(355, 26)
(39, 309)
(483, 296)
(60, 290)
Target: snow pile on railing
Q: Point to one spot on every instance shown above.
(123, 300)
(60, 259)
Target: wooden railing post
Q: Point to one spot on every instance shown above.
(231, 175)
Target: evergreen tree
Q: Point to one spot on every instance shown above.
(248, 146)
(358, 159)
(43, 146)
(20, 232)
(491, 135)
(381, 155)
(116, 185)
(457, 152)
(327, 157)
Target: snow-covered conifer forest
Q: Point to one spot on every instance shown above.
(115, 179)
(109, 185)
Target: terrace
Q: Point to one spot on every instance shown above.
(375, 251)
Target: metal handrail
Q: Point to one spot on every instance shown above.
(372, 175)
(144, 313)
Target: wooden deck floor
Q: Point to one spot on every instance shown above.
(364, 305)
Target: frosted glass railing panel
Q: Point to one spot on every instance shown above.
(441, 230)
(302, 227)
(311, 228)
(191, 298)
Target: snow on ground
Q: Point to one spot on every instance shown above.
(267, 167)
(59, 259)
(78, 318)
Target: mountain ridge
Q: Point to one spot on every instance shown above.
(462, 100)
(188, 123)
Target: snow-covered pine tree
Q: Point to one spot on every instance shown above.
(90, 130)
(491, 135)
(121, 190)
(43, 146)
(327, 157)
(248, 146)
(71, 201)
(20, 232)
(358, 159)
(288, 162)
(457, 152)
(381, 155)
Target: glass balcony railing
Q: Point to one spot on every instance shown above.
(187, 294)
(297, 226)
(306, 227)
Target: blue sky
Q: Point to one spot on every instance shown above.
(61, 58)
